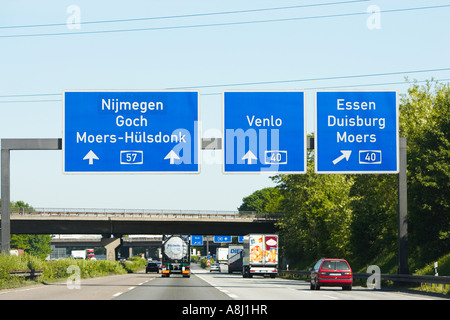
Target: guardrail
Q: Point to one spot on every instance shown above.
(398, 278)
(27, 273)
(194, 214)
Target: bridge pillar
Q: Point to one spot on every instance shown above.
(111, 245)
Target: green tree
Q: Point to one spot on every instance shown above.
(34, 244)
(266, 200)
(374, 226)
(425, 121)
(316, 215)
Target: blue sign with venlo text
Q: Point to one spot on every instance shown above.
(264, 131)
(356, 132)
(131, 131)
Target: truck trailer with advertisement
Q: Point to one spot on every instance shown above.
(235, 258)
(176, 255)
(260, 255)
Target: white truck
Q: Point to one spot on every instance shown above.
(260, 255)
(78, 254)
(235, 258)
(222, 255)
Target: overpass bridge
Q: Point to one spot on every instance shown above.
(126, 243)
(117, 222)
(61, 242)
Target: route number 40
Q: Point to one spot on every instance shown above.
(370, 157)
(275, 157)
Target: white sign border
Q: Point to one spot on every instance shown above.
(264, 172)
(199, 137)
(316, 135)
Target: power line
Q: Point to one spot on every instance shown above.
(263, 82)
(220, 24)
(311, 88)
(188, 15)
(315, 79)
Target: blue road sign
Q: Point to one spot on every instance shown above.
(264, 131)
(222, 239)
(131, 132)
(356, 132)
(196, 240)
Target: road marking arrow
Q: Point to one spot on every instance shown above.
(90, 156)
(249, 156)
(172, 156)
(345, 154)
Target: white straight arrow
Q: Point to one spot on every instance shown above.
(249, 156)
(345, 154)
(90, 156)
(172, 156)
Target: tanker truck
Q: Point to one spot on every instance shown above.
(176, 257)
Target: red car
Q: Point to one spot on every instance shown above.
(331, 273)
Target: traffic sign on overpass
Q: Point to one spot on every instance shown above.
(264, 131)
(222, 239)
(196, 240)
(356, 132)
(131, 131)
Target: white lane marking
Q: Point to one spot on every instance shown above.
(117, 294)
(232, 296)
(330, 297)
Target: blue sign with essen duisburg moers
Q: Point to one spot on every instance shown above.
(356, 132)
(117, 131)
(264, 131)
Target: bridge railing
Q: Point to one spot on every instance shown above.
(150, 213)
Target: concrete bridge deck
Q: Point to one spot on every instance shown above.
(120, 222)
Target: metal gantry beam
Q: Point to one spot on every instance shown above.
(207, 144)
(40, 144)
(6, 147)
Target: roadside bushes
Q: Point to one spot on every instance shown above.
(134, 264)
(54, 270)
(204, 262)
(57, 270)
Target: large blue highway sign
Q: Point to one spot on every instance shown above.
(131, 132)
(222, 239)
(196, 240)
(264, 131)
(356, 132)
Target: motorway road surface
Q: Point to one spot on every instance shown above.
(202, 285)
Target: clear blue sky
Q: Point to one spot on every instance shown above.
(197, 51)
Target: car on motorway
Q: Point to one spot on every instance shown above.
(331, 273)
(214, 267)
(153, 266)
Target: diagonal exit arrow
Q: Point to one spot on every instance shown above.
(345, 154)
